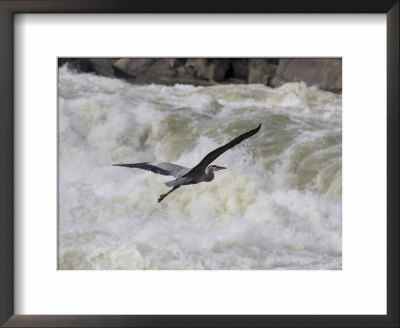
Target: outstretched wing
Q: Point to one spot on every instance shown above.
(158, 168)
(211, 157)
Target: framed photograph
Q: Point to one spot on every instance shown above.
(194, 165)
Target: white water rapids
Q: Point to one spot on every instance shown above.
(277, 206)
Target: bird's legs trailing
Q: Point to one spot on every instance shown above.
(165, 195)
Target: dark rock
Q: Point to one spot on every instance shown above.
(185, 71)
(133, 67)
(103, 66)
(240, 69)
(325, 73)
(100, 66)
(178, 62)
(261, 70)
(163, 67)
(79, 64)
(145, 70)
(212, 70)
(200, 67)
(220, 70)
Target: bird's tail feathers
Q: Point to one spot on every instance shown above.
(172, 183)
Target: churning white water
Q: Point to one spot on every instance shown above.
(277, 206)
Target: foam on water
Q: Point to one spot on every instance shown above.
(278, 206)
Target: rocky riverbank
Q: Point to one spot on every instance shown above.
(325, 73)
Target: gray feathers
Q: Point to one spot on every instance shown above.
(175, 182)
(159, 168)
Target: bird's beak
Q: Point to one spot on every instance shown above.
(222, 168)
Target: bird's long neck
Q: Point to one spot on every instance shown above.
(209, 173)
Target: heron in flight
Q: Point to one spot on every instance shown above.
(202, 172)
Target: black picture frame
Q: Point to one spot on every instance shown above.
(10, 7)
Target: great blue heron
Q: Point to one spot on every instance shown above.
(200, 173)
